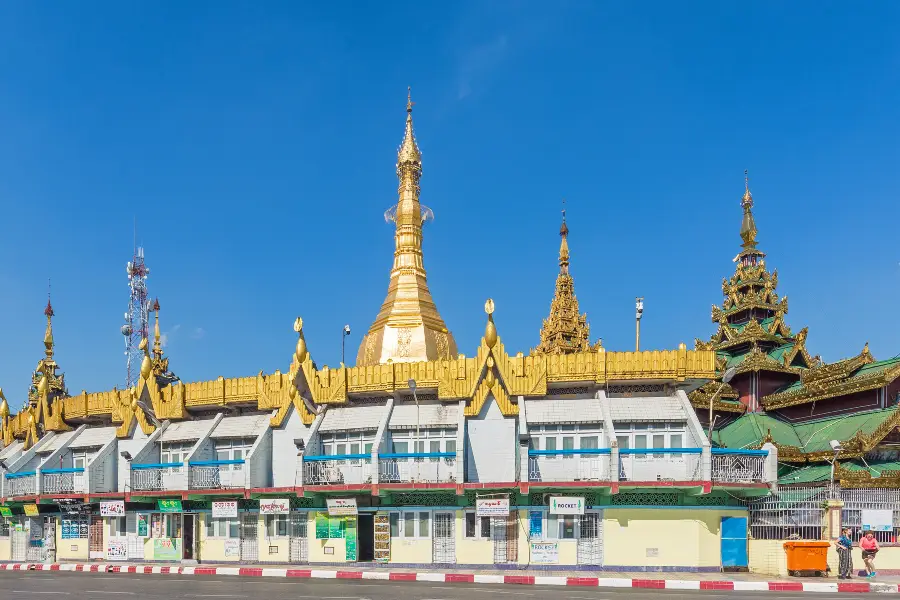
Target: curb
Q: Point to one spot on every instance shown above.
(603, 582)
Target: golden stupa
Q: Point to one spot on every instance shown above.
(408, 327)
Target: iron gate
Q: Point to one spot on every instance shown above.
(505, 535)
(96, 550)
(18, 539)
(444, 538)
(590, 539)
(299, 548)
(36, 550)
(249, 537)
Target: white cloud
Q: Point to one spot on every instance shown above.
(167, 336)
(198, 333)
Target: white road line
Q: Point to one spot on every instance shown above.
(107, 592)
(30, 592)
(215, 596)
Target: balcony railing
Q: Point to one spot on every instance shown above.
(588, 464)
(158, 477)
(738, 466)
(63, 481)
(660, 464)
(337, 470)
(217, 474)
(425, 467)
(21, 484)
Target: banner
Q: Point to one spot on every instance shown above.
(544, 553)
(341, 507)
(877, 520)
(321, 526)
(350, 537)
(112, 509)
(142, 527)
(566, 505)
(280, 506)
(232, 548)
(169, 506)
(31, 510)
(166, 549)
(224, 510)
(5, 512)
(116, 550)
(492, 507)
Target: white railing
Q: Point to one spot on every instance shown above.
(63, 481)
(739, 466)
(661, 464)
(568, 467)
(426, 468)
(350, 469)
(158, 477)
(21, 484)
(218, 475)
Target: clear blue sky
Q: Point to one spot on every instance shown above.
(255, 144)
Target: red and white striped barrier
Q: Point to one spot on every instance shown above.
(603, 582)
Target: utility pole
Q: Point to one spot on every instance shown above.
(639, 312)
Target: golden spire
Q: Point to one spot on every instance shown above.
(48, 334)
(565, 330)
(748, 225)
(408, 327)
(157, 338)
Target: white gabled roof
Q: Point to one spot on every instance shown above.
(185, 431)
(59, 439)
(244, 426)
(431, 414)
(348, 418)
(646, 409)
(563, 410)
(94, 436)
(13, 448)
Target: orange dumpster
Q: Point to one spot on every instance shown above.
(803, 557)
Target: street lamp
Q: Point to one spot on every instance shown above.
(726, 377)
(344, 333)
(639, 312)
(412, 385)
(836, 446)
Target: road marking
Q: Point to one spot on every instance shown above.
(214, 596)
(30, 592)
(108, 592)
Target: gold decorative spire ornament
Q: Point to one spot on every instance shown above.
(159, 363)
(748, 225)
(565, 330)
(408, 327)
(48, 334)
(157, 338)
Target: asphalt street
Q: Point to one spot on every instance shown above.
(101, 586)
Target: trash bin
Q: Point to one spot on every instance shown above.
(807, 557)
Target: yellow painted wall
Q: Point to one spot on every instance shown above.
(213, 549)
(768, 557)
(70, 549)
(683, 538)
(317, 547)
(5, 548)
(468, 551)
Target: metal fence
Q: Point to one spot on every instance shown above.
(796, 512)
(876, 499)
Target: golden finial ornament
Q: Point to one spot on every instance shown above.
(748, 225)
(157, 336)
(489, 306)
(300, 353)
(490, 330)
(146, 363)
(48, 334)
(4, 406)
(43, 386)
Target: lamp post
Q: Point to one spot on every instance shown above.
(344, 333)
(412, 385)
(639, 312)
(726, 377)
(836, 446)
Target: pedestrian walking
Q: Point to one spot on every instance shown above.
(844, 545)
(869, 546)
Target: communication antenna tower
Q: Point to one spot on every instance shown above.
(137, 319)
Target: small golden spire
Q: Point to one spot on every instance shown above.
(409, 150)
(564, 243)
(48, 334)
(748, 225)
(157, 337)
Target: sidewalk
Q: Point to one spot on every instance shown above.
(660, 581)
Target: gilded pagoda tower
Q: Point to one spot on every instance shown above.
(752, 336)
(408, 327)
(565, 330)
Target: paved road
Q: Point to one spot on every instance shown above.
(101, 586)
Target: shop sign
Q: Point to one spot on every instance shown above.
(142, 528)
(341, 507)
(5, 512)
(169, 506)
(116, 550)
(166, 549)
(566, 505)
(31, 510)
(279, 506)
(877, 520)
(232, 548)
(544, 553)
(224, 510)
(112, 509)
(492, 507)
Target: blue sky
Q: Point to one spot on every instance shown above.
(255, 145)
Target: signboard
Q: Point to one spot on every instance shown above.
(31, 510)
(335, 528)
(166, 549)
(224, 510)
(279, 506)
(350, 537)
(169, 506)
(566, 505)
(544, 553)
(5, 512)
(877, 520)
(142, 528)
(232, 548)
(492, 507)
(112, 509)
(536, 524)
(341, 507)
(321, 526)
(116, 550)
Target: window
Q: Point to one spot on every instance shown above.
(401, 447)
(478, 527)
(165, 525)
(411, 524)
(675, 442)
(561, 527)
(79, 460)
(568, 443)
(640, 443)
(659, 441)
(117, 527)
(624, 442)
(589, 442)
(222, 528)
(355, 442)
(450, 448)
(276, 526)
(233, 449)
(175, 452)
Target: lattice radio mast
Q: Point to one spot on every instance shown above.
(137, 319)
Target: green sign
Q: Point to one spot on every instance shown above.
(335, 528)
(169, 506)
(166, 549)
(350, 536)
(5, 512)
(142, 526)
(321, 526)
